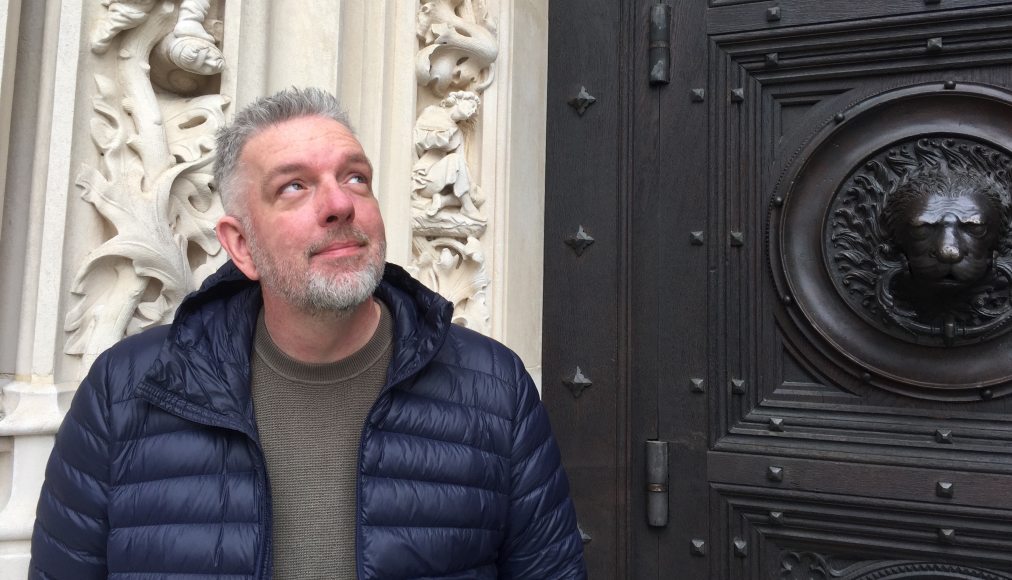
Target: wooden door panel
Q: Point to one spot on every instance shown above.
(672, 288)
(733, 16)
(749, 178)
(787, 393)
(798, 535)
(810, 435)
(584, 290)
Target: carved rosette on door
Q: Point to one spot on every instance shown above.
(889, 242)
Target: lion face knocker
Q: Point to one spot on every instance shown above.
(947, 225)
(935, 267)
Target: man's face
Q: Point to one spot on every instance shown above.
(312, 224)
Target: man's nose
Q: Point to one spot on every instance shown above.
(334, 204)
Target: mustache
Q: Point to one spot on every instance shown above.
(344, 234)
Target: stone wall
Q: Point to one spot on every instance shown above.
(107, 109)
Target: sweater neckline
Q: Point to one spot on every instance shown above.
(324, 373)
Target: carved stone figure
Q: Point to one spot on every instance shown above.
(454, 62)
(441, 173)
(186, 58)
(122, 15)
(920, 242)
(459, 46)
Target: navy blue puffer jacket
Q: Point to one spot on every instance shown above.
(157, 472)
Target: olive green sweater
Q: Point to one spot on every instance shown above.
(310, 419)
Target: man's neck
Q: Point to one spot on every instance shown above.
(320, 338)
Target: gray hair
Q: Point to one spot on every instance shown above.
(261, 114)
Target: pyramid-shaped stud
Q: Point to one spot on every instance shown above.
(582, 101)
(584, 536)
(698, 547)
(945, 489)
(580, 241)
(740, 548)
(775, 473)
(738, 386)
(737, 95)
(577, 383)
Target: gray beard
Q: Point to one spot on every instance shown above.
(312, 292)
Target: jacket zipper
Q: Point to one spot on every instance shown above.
(413, 370)
(148, 392)
(263, 554)
(359, 570)
(384, 393)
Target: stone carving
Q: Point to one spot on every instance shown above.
(459, 46)
(152, 185)
(455, 61)
(122, 15)
(191, 48)
(441, 173)
(456, 270)
(919, 241)
(812, 566)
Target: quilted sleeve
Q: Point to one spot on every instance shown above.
(71, 527)
(543, 540)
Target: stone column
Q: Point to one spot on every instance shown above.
(513, 156)
(41, 45)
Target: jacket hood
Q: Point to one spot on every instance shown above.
(203, 369)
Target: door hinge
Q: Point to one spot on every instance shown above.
(660, 44)
(657, 483)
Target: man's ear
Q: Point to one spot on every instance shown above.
(232, 236)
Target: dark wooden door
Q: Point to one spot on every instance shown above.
(790, 263)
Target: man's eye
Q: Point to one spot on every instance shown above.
(293, 186)
(358, 179)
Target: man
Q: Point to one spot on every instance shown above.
(301, 417)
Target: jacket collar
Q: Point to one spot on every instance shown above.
(203, 369)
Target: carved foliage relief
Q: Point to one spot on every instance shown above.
(153, 124)
(454, 65)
